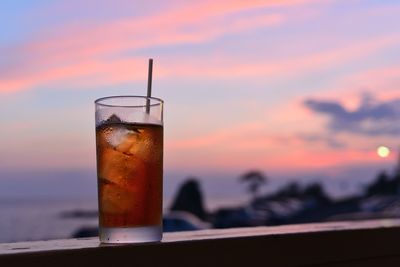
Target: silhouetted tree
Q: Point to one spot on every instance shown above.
(396, 181)
(190, 199)
(294, 190)
(316, 191)
(254, 180)
(383, 185)
(291, 189)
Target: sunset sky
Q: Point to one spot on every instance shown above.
(295, 88)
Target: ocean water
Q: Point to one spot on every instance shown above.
(34, 219)
(41, 219)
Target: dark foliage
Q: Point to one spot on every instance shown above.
(190, 199)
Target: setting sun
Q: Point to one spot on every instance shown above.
(383, 151)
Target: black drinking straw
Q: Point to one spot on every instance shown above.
(149, 80)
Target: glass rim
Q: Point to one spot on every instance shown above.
(99, 100)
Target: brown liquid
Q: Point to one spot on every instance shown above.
(129, 171)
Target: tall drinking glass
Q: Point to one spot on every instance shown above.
(129, 146)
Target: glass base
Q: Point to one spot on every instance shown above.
(120, 235)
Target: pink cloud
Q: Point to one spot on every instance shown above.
(184, 25)
(253, 145)
(95, 51)
(382, 82)
(376, 78)
(228, 67)
(108, 72)
(77, 47)
(217, 138)
(286, 158)
(277, 143)
(120, 70)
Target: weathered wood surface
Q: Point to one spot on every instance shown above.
(365, 243)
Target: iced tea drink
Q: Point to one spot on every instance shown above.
(129, 171)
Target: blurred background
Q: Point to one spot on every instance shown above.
(275, 111)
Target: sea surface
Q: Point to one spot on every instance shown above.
(34, 219)
(42, 219)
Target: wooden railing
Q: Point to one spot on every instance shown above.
(365, 243)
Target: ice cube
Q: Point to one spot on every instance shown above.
(121, 137)
(112, 167)
(129, 140)
(148, 146)
(113, 119)
(118, 168)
